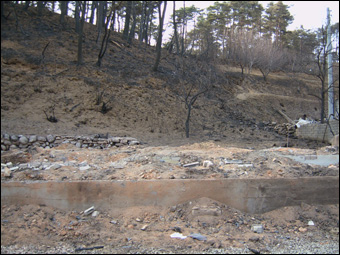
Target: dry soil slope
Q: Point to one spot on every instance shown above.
(141, 101)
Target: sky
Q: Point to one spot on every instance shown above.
(309, 14)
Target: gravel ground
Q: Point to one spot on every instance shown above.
(298, 246)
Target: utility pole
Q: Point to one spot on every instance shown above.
(330, 68)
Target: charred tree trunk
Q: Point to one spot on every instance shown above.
(127, 20)
(160, 33)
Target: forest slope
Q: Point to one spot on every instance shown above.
(40, 78)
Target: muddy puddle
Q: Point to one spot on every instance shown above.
(320, 160)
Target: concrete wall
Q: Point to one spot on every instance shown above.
(319, 132)
(248, 195)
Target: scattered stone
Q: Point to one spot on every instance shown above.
(198, 236)
(302, 230)
(56, 166)
(133, 143)
(7, 172)
(311, 223)
(118, 165)
(95, 214)
(177, 229)
(144, 227)
(257, 228)
(84, 168)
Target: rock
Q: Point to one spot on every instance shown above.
(118, 165)
(302, 230)
(41, 138)
(79, 144)
(7, 172)
(133, 142)
(198, 236)
(56, 166)
(84, 168)
(144, 227)
(95, 214)
(23, 140)
(177, 229)
(32, 139)
(173, 208)
(114, 139)
(14, 138)
(311, 223)
(50, 138)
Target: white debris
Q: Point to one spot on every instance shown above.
(89, 210)
(178, 235)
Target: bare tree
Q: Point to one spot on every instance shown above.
(175, 27)
(109, 25)
(193, 80)
(160, 33)
(101, 17)
(109, 20)
(271, 57)
(82, 9)
(63, 9)
(133, 26)
(318, 67)
(127, 20)
(244, 49)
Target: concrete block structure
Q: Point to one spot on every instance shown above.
(319, 132)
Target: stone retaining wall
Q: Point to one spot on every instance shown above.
(94, 141)
(318, 131)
